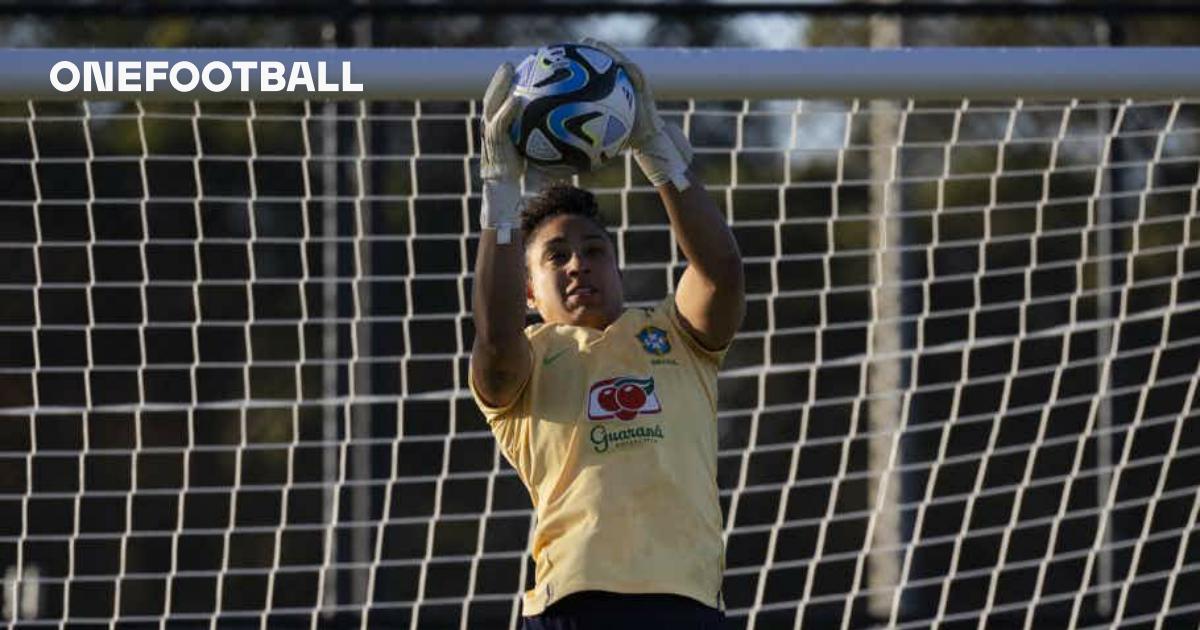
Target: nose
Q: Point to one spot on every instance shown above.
(577, 265)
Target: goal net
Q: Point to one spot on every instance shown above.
(234, 336)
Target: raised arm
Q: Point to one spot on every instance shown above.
(711, 298)
(500, 356)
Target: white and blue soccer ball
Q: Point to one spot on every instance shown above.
(579, 108)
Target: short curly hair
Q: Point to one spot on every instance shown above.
(559, 199)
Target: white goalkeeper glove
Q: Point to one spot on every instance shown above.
(660, 148)
(501, 166)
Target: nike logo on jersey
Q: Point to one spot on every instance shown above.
(547, 360)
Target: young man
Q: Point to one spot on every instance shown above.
(608, 414)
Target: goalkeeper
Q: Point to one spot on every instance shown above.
(607, 414)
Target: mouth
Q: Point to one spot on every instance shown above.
(582, 291)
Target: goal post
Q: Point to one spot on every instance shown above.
(235, 328)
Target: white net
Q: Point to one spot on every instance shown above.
(233, 343)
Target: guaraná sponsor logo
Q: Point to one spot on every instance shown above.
(604, 439)
(623, 397)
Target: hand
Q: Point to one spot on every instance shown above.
(500, 166)
(660, 149)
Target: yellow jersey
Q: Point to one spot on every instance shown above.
(615, 436)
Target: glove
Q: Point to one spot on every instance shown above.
(501, 166)
(660, 149)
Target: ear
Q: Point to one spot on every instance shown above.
(529, 301)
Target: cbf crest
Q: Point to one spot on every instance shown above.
(654, 340)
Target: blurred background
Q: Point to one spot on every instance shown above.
(233, 336)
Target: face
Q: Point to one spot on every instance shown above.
(573, 276)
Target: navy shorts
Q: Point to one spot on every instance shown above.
(604, 611)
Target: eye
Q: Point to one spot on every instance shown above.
(558, 257)
(594, 250)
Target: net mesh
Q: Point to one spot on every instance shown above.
(234, 340)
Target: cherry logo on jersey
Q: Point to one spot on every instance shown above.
(623, 397)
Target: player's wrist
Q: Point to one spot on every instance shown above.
(501, 207)
(664, 157)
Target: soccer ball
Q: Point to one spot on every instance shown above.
(579, 108)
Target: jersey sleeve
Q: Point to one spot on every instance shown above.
(668, 308)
